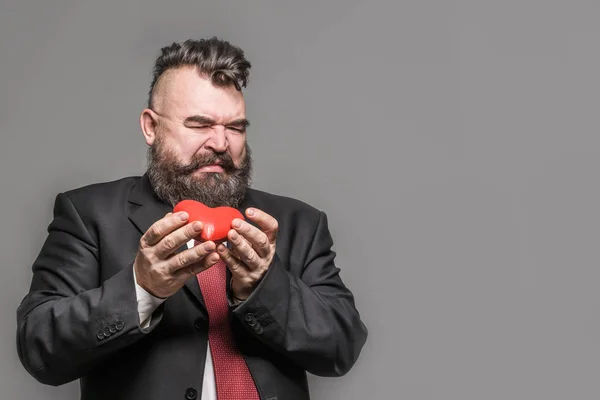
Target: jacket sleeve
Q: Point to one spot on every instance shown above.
(311, 319)
(70, 321)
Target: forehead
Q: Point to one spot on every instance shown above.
(183, 92)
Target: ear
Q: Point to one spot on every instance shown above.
(148, 123)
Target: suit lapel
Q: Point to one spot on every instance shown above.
(149, 209)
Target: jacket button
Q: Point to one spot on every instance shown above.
(107, 332)
(200, 324)
(112, 328)
(119, 325)
(100, 335)
(191, 393)
(259, 329)
(249, 317)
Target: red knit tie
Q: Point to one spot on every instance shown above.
(232, 376)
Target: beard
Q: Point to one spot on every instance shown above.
(173, 181)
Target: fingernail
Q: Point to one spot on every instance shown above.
(237, 223)
(250, 211)
(208, 247)
(221, 249)
(234, 235)
(183, 216)
(197, 226)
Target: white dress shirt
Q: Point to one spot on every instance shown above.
(147, 303)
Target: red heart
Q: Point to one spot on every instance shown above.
(216, 221)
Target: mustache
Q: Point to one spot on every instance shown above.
(201, 160)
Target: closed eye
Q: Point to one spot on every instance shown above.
(237, 129)
(202, 122)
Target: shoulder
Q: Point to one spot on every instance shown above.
(299, 223)
(277, 202)
(103, 188)
(94, 205)
(108, 193)
(286, 210)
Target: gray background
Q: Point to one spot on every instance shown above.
(453, 145)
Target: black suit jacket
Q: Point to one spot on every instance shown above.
(80, 318)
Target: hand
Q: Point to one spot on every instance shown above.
(160, 272)
(252, 251)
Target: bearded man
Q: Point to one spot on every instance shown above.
(126, 299)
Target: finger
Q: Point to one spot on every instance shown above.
(257, 238)
(234, 250)
(237, 268)
(177, 238)
(190, 256)
(196, 268)
(267, 223)
(243, 250)
(163, 227)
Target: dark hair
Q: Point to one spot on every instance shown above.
(222, 62)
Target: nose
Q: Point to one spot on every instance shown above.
(217, 140)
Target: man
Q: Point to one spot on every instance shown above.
(126, 299)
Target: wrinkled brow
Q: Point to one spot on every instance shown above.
(202, 120)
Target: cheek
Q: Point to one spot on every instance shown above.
(237, 149)
(185, 146)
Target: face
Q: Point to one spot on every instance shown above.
(197, 137)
